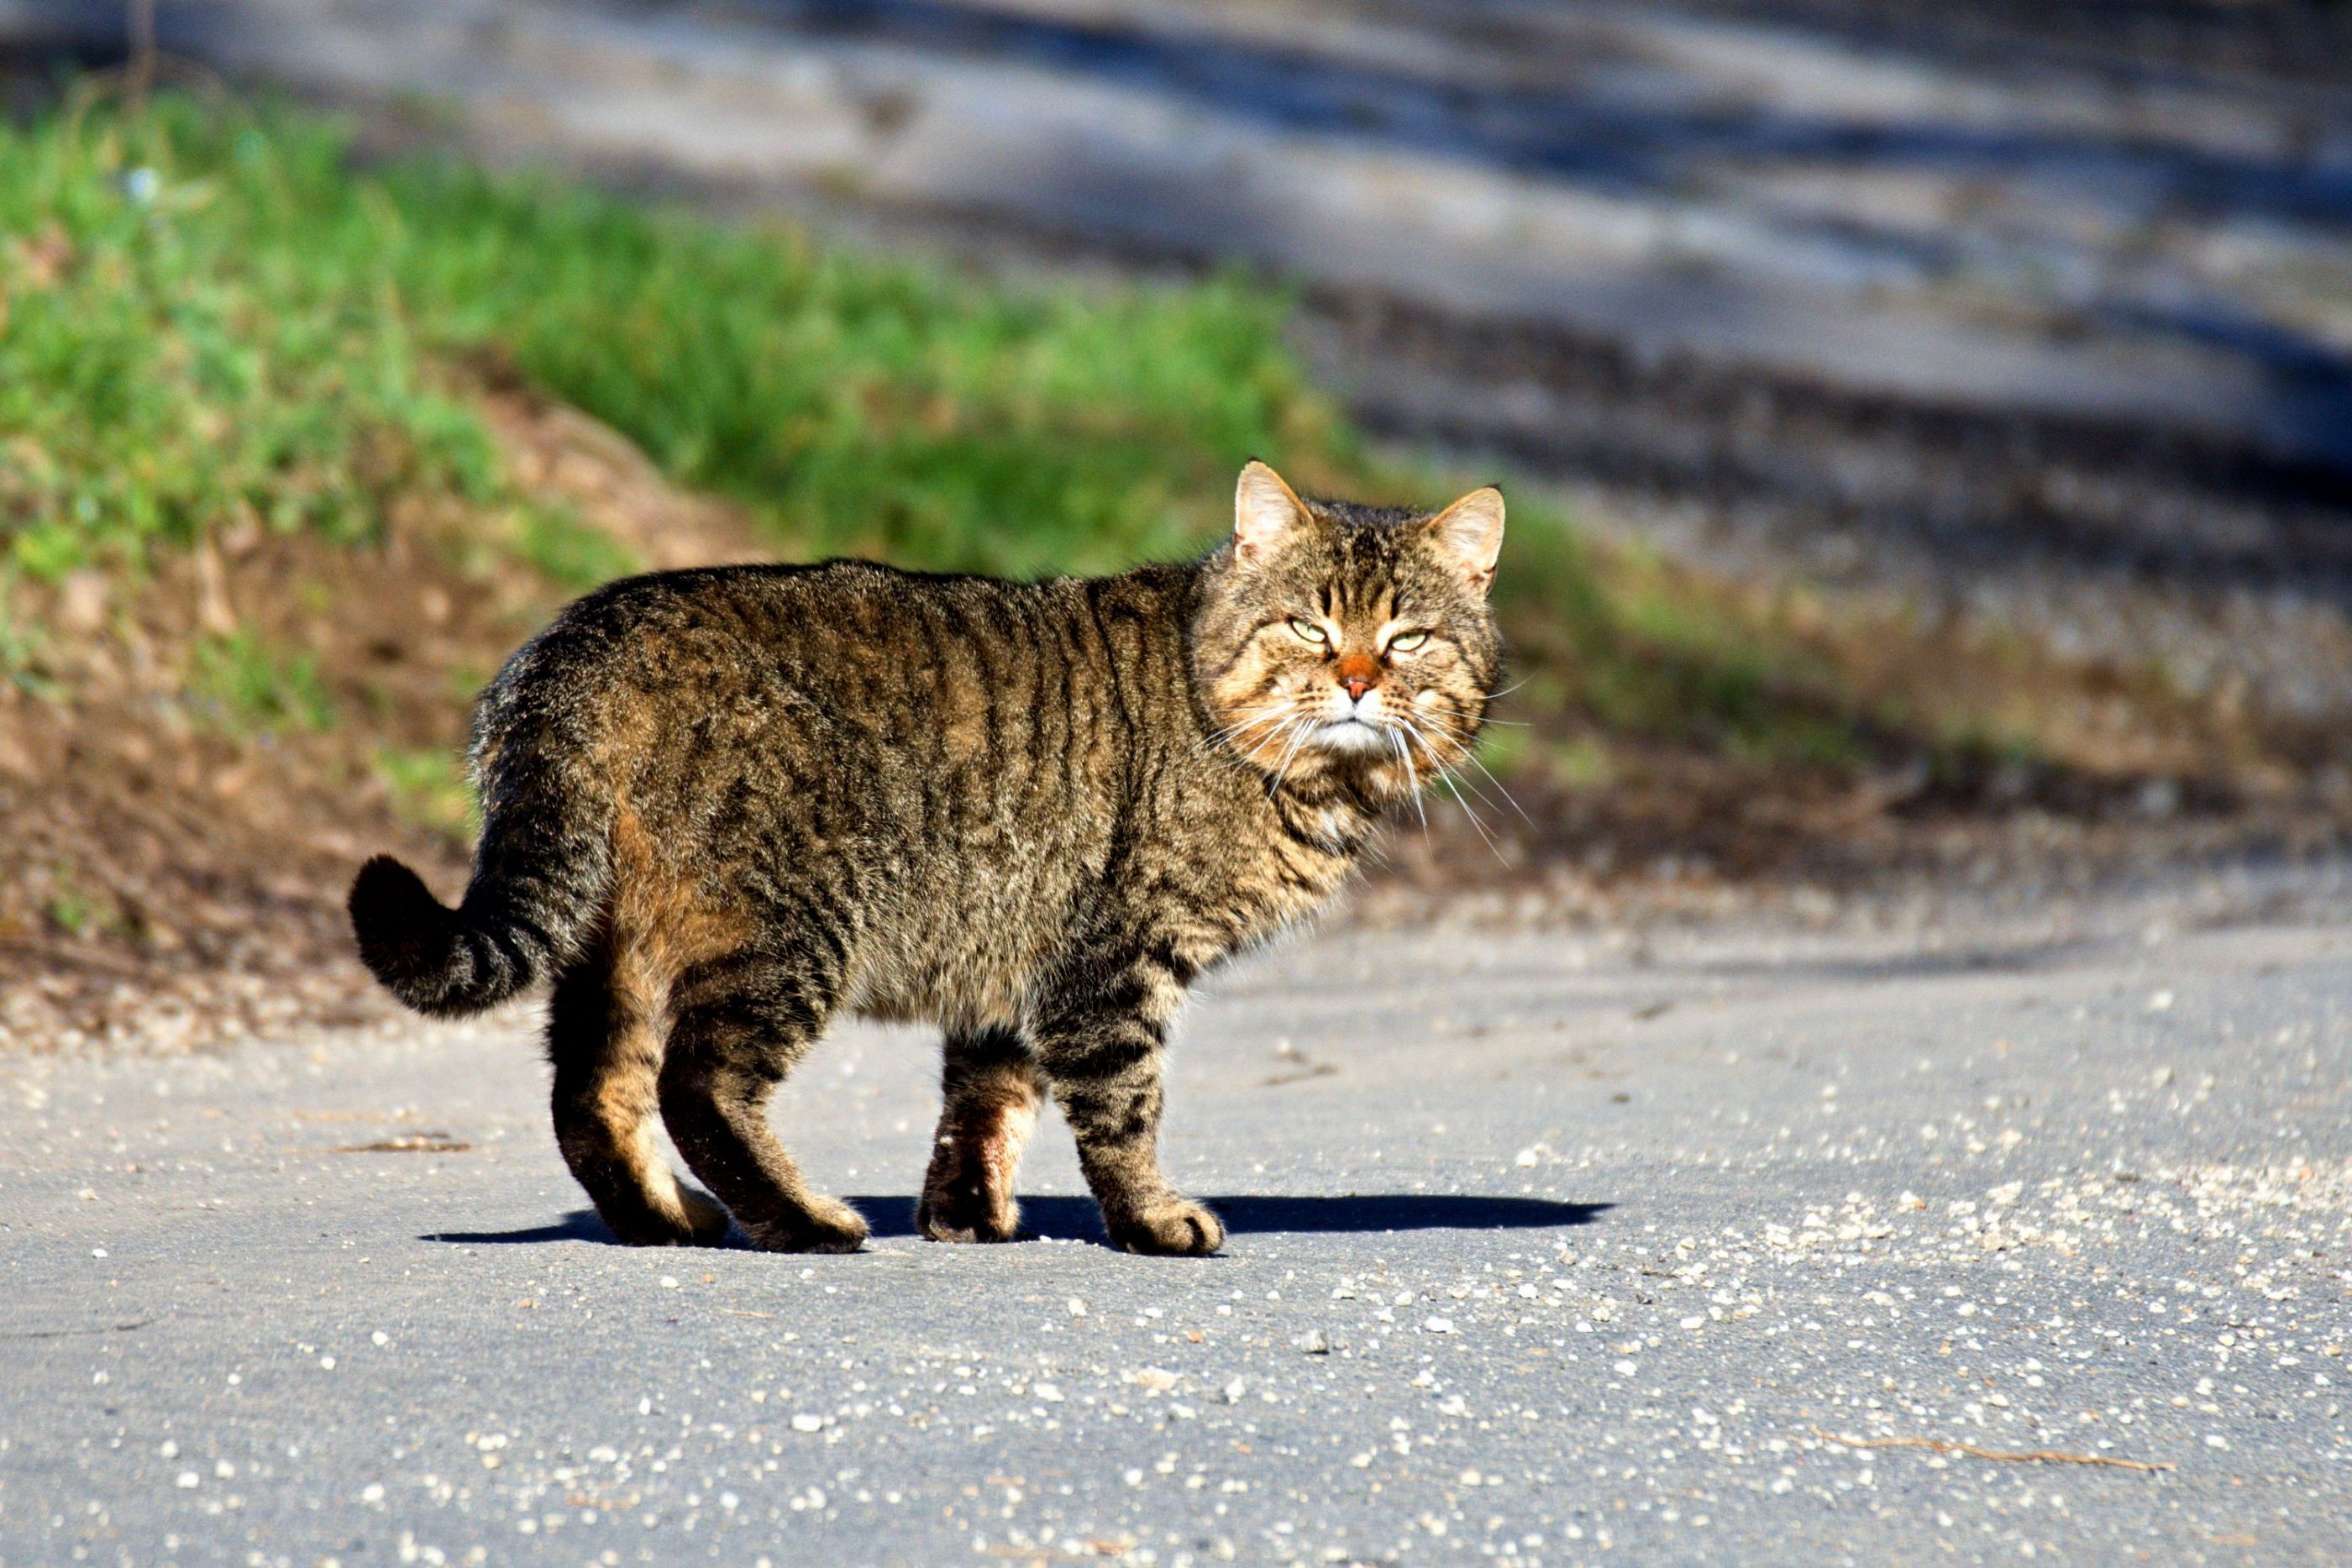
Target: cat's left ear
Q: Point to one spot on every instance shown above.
(1469, 535)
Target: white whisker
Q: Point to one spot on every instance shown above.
(1298, 733)
(1233, 733)
(1472, 812)
(1412, 780)
(1446, 777)
(1472, 758)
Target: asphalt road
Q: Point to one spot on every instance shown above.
(1546, 1249)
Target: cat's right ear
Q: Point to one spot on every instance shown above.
(1265, 512)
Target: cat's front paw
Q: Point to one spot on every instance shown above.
(824, 1224)
(1172, 1227)
(967, 1215)
(968, 1196)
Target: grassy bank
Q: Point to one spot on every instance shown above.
(214, 317)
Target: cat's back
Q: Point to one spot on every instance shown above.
(763, 618)
(947, 703)
(857, 630)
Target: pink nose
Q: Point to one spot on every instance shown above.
(1357, 686)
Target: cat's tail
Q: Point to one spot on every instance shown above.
(443, 961)
(538, 881)
(543, 870)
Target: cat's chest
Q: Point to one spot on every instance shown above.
(1263, 874)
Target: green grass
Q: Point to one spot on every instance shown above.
(866, 406)
(76, 905)
(215, 317)
(165, 370)
(69, 909)
(429, 788)
(242, 684)
(569, 553)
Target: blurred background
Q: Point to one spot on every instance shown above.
(1928, 428)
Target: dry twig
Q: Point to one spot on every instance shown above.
(2031, 1456)
(407, 1144)
(140, 22)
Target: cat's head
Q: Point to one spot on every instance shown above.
(1339, 643)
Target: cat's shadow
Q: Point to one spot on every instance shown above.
(1071, 1218)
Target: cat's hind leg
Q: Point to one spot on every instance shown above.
(738, 1023)
(605, 1053)
(991, 1085)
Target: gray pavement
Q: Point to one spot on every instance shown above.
(1547, 1248)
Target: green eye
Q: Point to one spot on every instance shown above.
(1307, 629)
(1406, 642)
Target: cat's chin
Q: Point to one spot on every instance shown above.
(1354, 737)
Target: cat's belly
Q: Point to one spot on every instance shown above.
(964, 991)
(982, 965)
(967, 963)
(962, 1005)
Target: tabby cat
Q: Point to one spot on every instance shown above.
(722, 806)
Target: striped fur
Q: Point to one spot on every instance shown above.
(723, 807)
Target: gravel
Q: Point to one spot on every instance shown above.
(1541, 1273)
